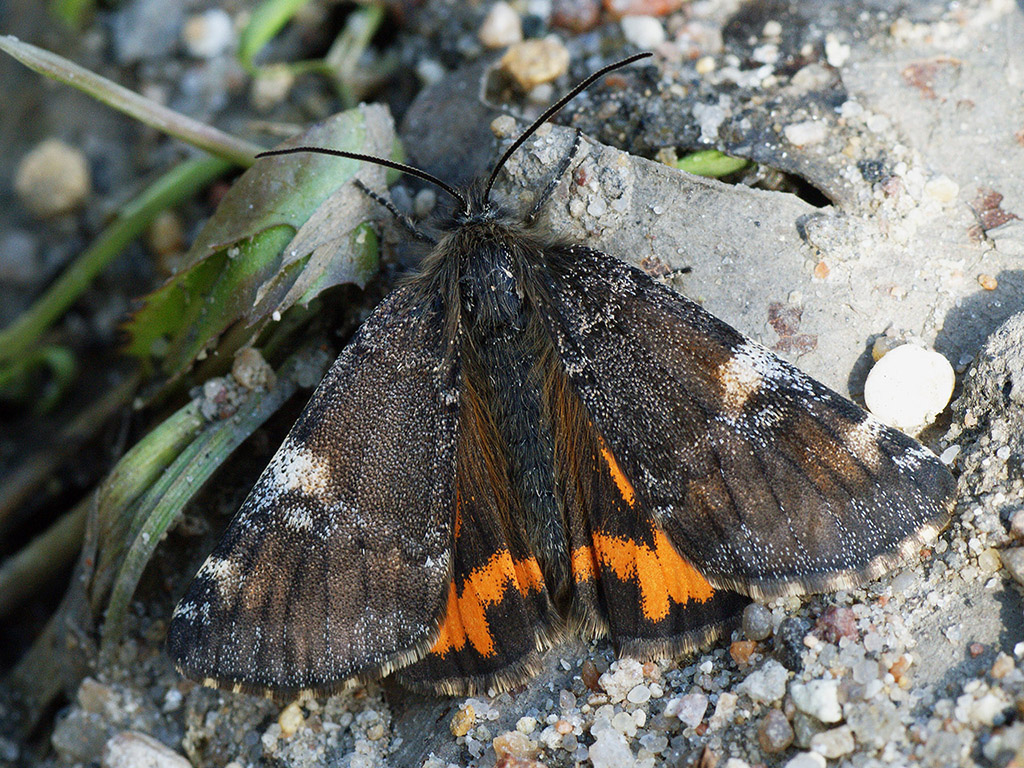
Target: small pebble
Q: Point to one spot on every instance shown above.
(526, 725)
(909, 386)
(774, 734)
(639, 695)
(988, 560)
(757, 622)
(610, 750)
(462, 721)
(767, 684)
(502, 26)
(130, 749)
(987, 282)
(806, 728)
(52, 179)
(1017, 524)
(252, 371)
(689, 708)
(1013, 561)
(741, 651)
(628, 673)
(576, 15)
(533, 62)
(724, 710)
(291, 720)
(1002, 666)
(806, 760)
(837, 622)
(624, 723)
(515, 744)
(819, 699)
(644, 32)
(834, 743)
(806, 133)
(942, 189)
(590, 675)
(208, 34)
(789, 642)
(836, 51)
(271, 85)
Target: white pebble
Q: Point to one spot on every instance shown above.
(942, 189)
(52, 179)
(643, 31)
(819, 699)
(806, 132)
(501, 27)
(949, 455)
(689, 709)
(628, 674)
(767, 684)
(806, 760)
(130, 748)
(836, 51)
(639, 695)
(207, 35)
(610, 750)
(909, 386)
(833, 743)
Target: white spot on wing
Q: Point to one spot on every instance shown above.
(222, 572)
(740, 378)
(295, 468)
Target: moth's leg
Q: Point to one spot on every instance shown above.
(404, 220)
(556, 177)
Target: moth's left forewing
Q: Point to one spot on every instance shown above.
(769, 482)
(337, 565)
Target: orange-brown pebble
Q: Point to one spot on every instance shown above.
(564, 727)
(1002, 666)
(821, 270)
(899, 670)
(515, 744)
(462, 720)
(590, 675)
(975, 649)
(741, 651)
(987, 282)
(652, 671)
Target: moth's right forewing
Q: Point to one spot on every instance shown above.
(338, 562)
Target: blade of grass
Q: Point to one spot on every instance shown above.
(178, 184)
(163, 502)
(265, 22)
(137, 470)
(175, 124)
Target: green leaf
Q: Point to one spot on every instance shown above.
(711, 163)
(288, 229)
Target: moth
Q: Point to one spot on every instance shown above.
(529, 438)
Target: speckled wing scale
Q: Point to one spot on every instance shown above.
(529, 439)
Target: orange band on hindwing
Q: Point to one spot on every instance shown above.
(661, 575)
(466, 613)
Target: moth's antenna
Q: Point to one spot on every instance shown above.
(377, 161)
(554, 108)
